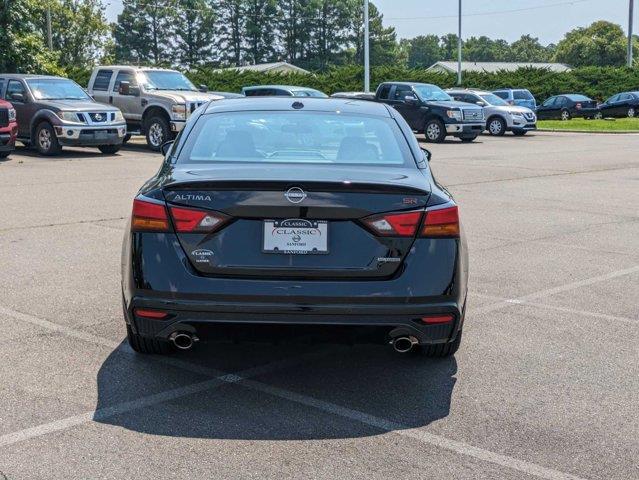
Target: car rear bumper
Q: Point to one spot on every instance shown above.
(157, 275)
(90, 136)
(374, 323)
(459, 129)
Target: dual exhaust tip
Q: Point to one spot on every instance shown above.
(186, 340)
(183, 340)
(404, 344)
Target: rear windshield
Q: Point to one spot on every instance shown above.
(522, 95)
(578, 98)
(296, 137)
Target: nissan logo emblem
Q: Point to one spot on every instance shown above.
(295, 195)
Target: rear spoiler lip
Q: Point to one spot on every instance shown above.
(353, 186)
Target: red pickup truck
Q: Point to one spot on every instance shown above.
(8, 128)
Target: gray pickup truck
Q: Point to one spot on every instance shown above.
(155, 102)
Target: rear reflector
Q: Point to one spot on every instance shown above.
(441, 223)
(403, 224)
(140, 312)
(149, 217)
(436, 319)
(188, 220)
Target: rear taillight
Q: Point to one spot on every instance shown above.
(191, 220)
(443, 222)
(149, 217)
(403, 224)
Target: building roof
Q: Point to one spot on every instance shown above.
(492, 67)
(270, 67)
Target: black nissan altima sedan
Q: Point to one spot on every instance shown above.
(276, 215)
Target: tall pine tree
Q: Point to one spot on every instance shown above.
(194, 33)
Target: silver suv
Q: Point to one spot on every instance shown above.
(500, 116)
(155, 102)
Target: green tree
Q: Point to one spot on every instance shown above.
(194, 33)
(23, 48)
(330, 31)
(484, 49)
(294, 17)
(449, 46)
(528, 49)
(73, 22)
(260, 30)
(424, 51)
(383, 40)
(142, 32)
(231, 22)
(601, 44)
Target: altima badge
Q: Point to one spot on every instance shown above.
(295, 195)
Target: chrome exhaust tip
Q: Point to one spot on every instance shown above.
(183, 340)
(404, 344)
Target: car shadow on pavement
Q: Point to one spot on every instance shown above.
(293, 402)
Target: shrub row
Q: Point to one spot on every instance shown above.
(596, 82)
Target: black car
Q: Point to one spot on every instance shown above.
(621, 105)
(53, 112)
(565, 107)
(308, 215)
(431, 111)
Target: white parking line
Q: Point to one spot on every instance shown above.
(241, 379)
(582, 313)
(551, 291)
(417, 434)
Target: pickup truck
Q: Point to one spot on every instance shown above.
(431, 111)
(155, 102)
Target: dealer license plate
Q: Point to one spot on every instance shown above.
(296, 236)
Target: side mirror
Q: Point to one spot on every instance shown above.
(17, 97)
(166, 146)
(411, 100)
(203, 88)
(480, 103)
(124, 88)
(427, 154)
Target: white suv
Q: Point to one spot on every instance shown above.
(500, 117)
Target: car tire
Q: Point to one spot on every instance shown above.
(157, 132)
(565, 115)
(440, 350)
(46, 141)
(520, 133)
(468, 139)
(496, 126)
(147, 345)
(435, 131)
(109, 149)
(632, 112)
(4, 154)
(598, 116)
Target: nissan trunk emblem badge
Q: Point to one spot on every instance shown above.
(295, 195)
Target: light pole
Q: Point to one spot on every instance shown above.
(367, 60)
(459, 46)
(630, 18)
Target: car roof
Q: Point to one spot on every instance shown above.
(467, 90)
(342, 105)
(28, 75)
(285, 87)
(134, 67)
(408, 84)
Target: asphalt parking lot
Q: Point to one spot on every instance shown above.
(545, 385)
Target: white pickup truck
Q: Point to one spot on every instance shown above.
(155, 102)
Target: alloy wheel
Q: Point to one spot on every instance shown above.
(44, 139)
(156, 134)
(495, 127)
(565, 115)
(433, 131)
(631, 112)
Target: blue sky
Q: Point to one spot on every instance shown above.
(546, 19)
